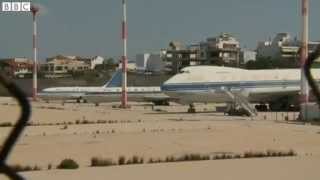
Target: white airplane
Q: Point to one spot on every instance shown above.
(279, 88)
(110, 92)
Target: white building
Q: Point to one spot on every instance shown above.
(97, 60)
(142, 61)
(247, 55)
(283, 47)
(16, 67)
(155, 63)
(60, 66)
(92, 62)
(149, 62)
(131, 66)
(222, 49)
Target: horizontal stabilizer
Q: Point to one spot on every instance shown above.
(115, 80)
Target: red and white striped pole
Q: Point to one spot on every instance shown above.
(34, 11)
(304, 55)
(124, 96)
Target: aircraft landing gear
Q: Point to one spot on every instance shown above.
(261, 107)
(191, 109)
(284, 104)
(233, 110)
(161, 103)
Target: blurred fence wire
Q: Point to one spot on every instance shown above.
(11, 140)
(307, 69)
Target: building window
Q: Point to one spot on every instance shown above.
(58, 68)
(214, 54)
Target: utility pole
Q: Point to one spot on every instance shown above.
(124, 95)
(304, 99)
(34, 10)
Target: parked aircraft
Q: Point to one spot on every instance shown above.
(110, 92)
(277, 89)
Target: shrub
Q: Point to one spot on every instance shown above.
(170, 159)
(49, 166)
(101, 121)
(6, 124)
(129, 162)
(85, 122)
(20, 168)
(260, 154)
(135, 160)
(248, 154)
(270, 153)
(237, 156)
(205, 157)
(291, 153)
(122, 160)
(68, 164)
(151, 161)
(185, 158)
(224, 156)
(141, 160)
(95, 161)
(159, 160)
(195, 157)
(36, 168)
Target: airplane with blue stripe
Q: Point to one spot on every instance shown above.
(109, 92)
(277, 88)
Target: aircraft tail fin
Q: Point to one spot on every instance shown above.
(115, 80)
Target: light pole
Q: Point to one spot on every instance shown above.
(34, 10)
(304, 99)
(124, 59)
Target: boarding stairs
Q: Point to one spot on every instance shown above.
(241, 99)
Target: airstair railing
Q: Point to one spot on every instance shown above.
(241, 100)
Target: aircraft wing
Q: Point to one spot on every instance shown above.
(158, 97)
(267, 96)
(60, 96)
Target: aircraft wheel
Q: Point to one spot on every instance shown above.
(191, 109)
(261, 107)
(278, 106)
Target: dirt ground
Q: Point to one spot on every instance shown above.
(82, 131)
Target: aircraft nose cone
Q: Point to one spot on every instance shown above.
(162, 87)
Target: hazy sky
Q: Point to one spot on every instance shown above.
(92, 27)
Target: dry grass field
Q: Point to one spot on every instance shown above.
(83, 131)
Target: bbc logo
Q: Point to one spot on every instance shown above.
(15, 6)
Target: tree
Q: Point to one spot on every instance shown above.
(109, 62)
(269, 63)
